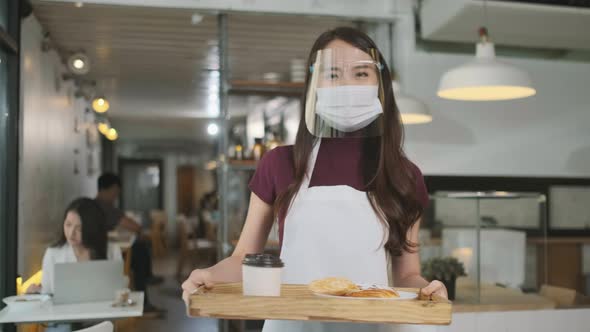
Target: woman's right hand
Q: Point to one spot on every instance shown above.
(198, 278)
(34, 289)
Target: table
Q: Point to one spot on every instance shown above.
(48, 312)
(568, 273)
(495, 299)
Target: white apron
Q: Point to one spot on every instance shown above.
(331, 231)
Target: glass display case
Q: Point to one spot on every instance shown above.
(499, 237)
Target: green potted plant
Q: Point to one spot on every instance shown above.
(444, 269)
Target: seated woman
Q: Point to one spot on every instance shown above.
(83, 238)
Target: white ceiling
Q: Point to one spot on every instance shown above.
(153, 62)
(525, 25)
(145, 129)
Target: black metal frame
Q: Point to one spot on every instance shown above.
(561, 3)
(138, 161)
(540, 185)
(9, 41)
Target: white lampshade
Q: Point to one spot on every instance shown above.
(485, 78)
(412, 110)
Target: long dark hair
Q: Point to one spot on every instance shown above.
(94, 231)
(389, 176)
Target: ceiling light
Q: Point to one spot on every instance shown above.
(412, 110)
(196, 19)
(485, 78)
(112, 135)
(79, 64)
(213, 129)
(104, 128)
(100, 104)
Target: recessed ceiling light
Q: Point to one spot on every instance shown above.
(79, 64)
(212, 129)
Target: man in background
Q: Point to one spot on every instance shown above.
(109, 190)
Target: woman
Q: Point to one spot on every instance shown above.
(347, 200)
(83, 238)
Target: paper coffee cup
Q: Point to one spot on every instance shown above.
(261, 275)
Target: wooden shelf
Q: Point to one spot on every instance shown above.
(247, 84)
(559, 240)
(243, 165)
(266, 88)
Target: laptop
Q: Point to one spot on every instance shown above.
(91, 281)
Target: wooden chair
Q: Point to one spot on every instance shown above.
(191, 250)
(126, 252)
(102, 327)
(157, 233)
(209, 243)
(30, 328)
(210, 231)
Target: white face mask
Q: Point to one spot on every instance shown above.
(350, 107)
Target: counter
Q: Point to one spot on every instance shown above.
(495, 298)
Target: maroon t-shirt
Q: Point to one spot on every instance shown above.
(338, 163)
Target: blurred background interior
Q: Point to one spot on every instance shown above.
(181, 99)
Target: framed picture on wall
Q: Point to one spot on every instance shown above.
(92, 137)
(76, 123)
(76, 157)
(57, 79)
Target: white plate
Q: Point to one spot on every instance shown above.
(25, 301)
(402, 295)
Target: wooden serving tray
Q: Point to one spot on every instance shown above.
(296, 302)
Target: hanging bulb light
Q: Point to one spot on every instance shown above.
(103, 128)
(412, 110)
(485, 78)
(112, 134)
(100, 104)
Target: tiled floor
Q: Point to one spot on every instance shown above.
(168, 296)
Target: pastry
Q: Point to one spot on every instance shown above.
(379, 293)
(333, 286)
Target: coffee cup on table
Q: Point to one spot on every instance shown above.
(122, 296)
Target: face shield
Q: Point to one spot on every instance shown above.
(345, 94)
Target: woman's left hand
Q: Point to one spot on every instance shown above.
(435, 287)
